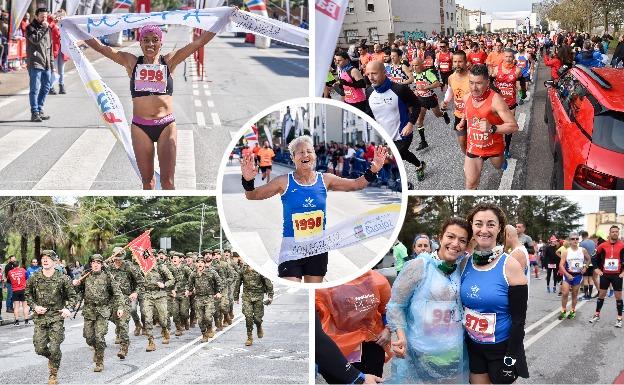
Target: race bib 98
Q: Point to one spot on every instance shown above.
(151, 78)
(480, 326)
(308, 224)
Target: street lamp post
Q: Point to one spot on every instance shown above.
(220, 237)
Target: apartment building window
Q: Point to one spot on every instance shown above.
(373, 35)
(447, 16)
(351, 7)
(370, 5)
(351, 35)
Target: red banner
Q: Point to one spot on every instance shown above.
(143, 6)
(141, 248)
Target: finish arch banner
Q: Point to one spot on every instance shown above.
(84, 27)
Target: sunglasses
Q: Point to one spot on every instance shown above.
(574, 239)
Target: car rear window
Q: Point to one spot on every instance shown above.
(609, 131)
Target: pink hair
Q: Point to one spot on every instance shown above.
(151, 28)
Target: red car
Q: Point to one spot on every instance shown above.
(585, 119)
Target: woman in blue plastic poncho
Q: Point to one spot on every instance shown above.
(426, 313)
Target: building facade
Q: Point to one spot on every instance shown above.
(462, 19)
(381, 21)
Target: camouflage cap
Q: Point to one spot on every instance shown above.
(119, 253)
(162, 251)
(97, 258)
(190, 254)
(200, 259)
(51, 254)
(205, 251)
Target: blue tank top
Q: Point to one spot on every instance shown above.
(524, 63)
(484, 294)
(303, 208)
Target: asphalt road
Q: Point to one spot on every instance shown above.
(74, 150)
(256, 227)
(280, 357)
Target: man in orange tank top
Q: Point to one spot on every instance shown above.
(487, 118)
(458, 87)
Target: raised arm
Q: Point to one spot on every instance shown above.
(122, 58)
(176, 57)
(249, 171)
(336, 183)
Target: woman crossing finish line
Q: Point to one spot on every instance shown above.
(151, 87)
(303, 193)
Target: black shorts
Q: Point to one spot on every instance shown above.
(264, 168)
(589, 272)
(429, 102)
(488, 358)
(473, 156)
(463, 132)
(18, 296)
(315, 265)
(444, 77)
(609, 279)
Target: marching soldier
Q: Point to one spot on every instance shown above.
(206, 285)
(158, 282)
(178, 299)
(130, 279)
(102, 296)
(50, 294)
(254, 287)
(233, 260)
(227, 274)
(191, 320)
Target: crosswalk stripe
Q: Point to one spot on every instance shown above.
(16, 142)
(521, 121)
(80, 164)
(201, 120)
(185, 161)
(508, 175)
(215, 119)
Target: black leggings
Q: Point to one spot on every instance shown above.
(403, 147)
(373, 358)
(552, 271)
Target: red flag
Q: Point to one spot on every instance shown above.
(141, 248)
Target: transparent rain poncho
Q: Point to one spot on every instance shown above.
(425, 303)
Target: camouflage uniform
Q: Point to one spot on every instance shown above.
(102, 297)
(236, 265)
(53, 293)
(227, 274)
(155, 298)
(205, 285)
(192, 319)
(179, 305)
(254, 287)
(129, 278)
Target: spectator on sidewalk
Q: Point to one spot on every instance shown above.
(59, 57)
(618, 54)
(4, 41)
(1, 291)
(9, 266)
(39, 58)
(33, 268)
(17, 277)
(24, 24)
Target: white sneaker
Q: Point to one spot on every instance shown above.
(595, 318)
(618, 323)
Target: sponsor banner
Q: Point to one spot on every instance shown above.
(365, 226)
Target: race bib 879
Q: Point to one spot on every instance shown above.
(480, 326)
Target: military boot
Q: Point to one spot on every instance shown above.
(186, 324)
(52, 379)
(99, 362)
(249, 339)
(259, 330)
(211, 332)
(205, 337)
(137, 329)
(143, 330)
(123, 351)
(165, 336)
(178, 331)
(231, 315)
(151, 346)
(218, 323)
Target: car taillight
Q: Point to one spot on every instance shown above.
(593, 179)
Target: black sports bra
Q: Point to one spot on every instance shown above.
(150, 77)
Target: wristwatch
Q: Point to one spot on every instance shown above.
(493, 129)
(509, 361)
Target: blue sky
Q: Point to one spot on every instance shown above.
(497, 5)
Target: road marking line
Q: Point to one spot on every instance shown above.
(201, 121)
(521, 121)
(174, 358)
(548, 328)
(77, 325)
(16, 142)
(215, 118)
(18, 341)
(7, 101)
(195, 85)
(198, 103)
(207, 93)
(195, 92)
(210, 103)
(185, 161)
(542, 320)
(508, 175)
(78, 167)
(292, 290)
(205, 86)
